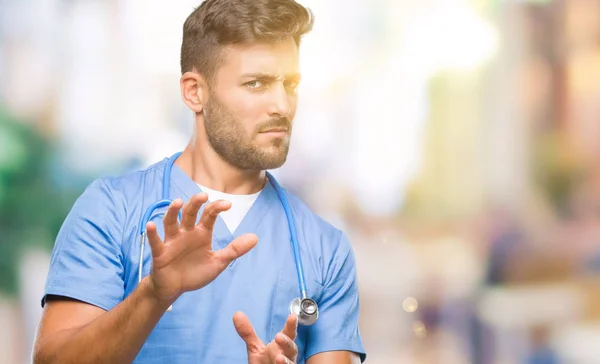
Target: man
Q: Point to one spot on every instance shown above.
(220, 274)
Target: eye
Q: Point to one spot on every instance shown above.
(254, 84)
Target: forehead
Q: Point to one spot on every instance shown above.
(279, 58)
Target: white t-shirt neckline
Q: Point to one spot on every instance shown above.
(240, 205)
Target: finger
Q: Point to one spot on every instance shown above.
(291, 326)
(210, 213)
(281, 359)
(287, 346)
(156, 245)
(236, 248)
(190, 210)
(246, 331)
(170, 218)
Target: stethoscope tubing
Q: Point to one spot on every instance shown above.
(165, 202)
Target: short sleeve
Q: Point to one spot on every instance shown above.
(86, 262)
(337, 326)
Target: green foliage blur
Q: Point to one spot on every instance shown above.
(32, 207)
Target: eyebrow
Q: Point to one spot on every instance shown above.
(270, 76)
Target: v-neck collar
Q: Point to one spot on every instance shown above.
(221, 233)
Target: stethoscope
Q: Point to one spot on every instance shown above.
(304, 307)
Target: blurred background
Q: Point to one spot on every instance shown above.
(455, 141)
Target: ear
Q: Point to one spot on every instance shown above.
(193, 90)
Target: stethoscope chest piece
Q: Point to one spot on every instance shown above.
(306, 309)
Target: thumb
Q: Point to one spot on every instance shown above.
(237, 248)
(246, 331)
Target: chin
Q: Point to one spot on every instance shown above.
(274, 160)
(274, 163)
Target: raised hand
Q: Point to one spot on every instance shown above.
(185, 261)
(282, 350)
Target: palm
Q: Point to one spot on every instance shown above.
(186, 261)
(281, 350)
(265, 354)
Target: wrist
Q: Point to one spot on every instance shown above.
(149, 290)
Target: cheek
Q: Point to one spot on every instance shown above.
(252, 106)
(294, 105)
(249, 111)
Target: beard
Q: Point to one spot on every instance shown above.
(230, 141)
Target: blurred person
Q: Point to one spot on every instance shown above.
(541, 351)
(223, 245)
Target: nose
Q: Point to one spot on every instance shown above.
(281, 103)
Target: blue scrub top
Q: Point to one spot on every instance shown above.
(96, 255)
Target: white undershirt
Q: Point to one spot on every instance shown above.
(240, 204)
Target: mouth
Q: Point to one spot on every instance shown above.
(276, 130)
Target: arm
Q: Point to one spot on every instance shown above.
(76, 332)
(94, 326)
(334, 357)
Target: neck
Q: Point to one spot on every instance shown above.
(205, 167)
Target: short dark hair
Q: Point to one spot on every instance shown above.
(218, 23)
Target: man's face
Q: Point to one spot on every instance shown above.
(248, 116)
